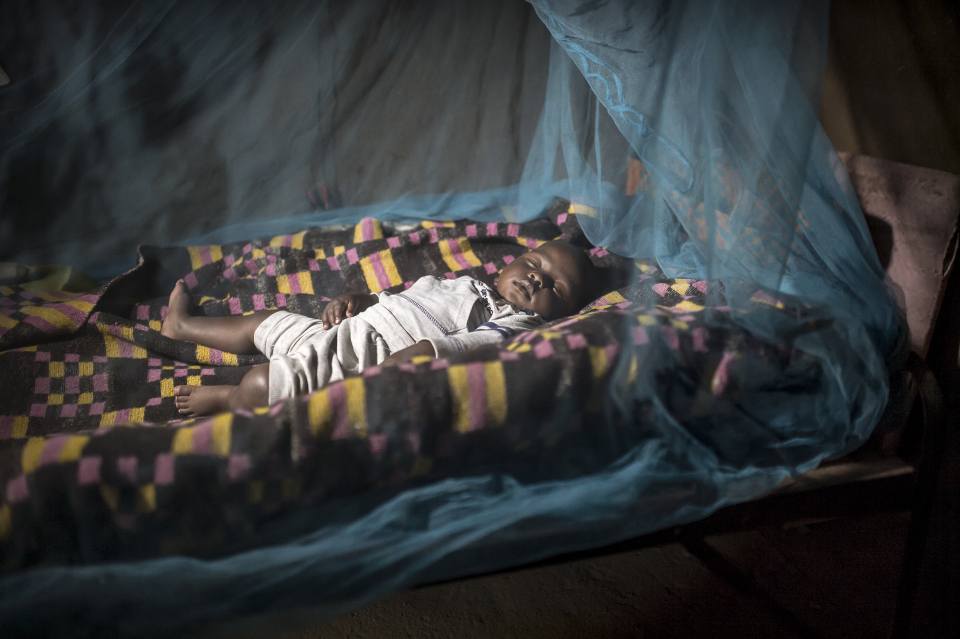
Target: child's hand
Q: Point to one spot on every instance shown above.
(346, 305)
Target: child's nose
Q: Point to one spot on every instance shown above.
(541, 278)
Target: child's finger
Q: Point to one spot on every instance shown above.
(330, 314)
(350, 304)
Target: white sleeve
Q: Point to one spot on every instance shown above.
(491, 332)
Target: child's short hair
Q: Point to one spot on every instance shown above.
(599, 280)
(589, 273)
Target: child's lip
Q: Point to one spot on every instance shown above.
(525, 288)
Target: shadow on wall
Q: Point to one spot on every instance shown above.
(882, 235)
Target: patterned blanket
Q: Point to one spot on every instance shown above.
(96, 466)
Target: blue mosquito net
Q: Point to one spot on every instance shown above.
(207, 122)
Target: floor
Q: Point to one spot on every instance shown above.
(892, 91)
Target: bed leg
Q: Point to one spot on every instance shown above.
(924, 493)
(729, 572)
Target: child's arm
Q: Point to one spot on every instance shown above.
(346, 305)
(488, 333)
(423, 348)
(491, 332)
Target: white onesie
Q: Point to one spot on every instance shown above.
(453, 315)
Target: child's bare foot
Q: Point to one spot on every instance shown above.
(177, 311)
(202, 400)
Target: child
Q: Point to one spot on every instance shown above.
(435, 317)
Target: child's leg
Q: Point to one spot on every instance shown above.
(230, 334)
(252, 392)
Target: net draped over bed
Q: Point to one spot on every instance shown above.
(754, 339)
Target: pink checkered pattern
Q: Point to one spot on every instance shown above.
(74, 380)
(160, 370)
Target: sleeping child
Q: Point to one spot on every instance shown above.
(435, 317)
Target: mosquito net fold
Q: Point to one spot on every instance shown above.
(684, 135)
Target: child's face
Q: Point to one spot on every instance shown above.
(547, 281)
